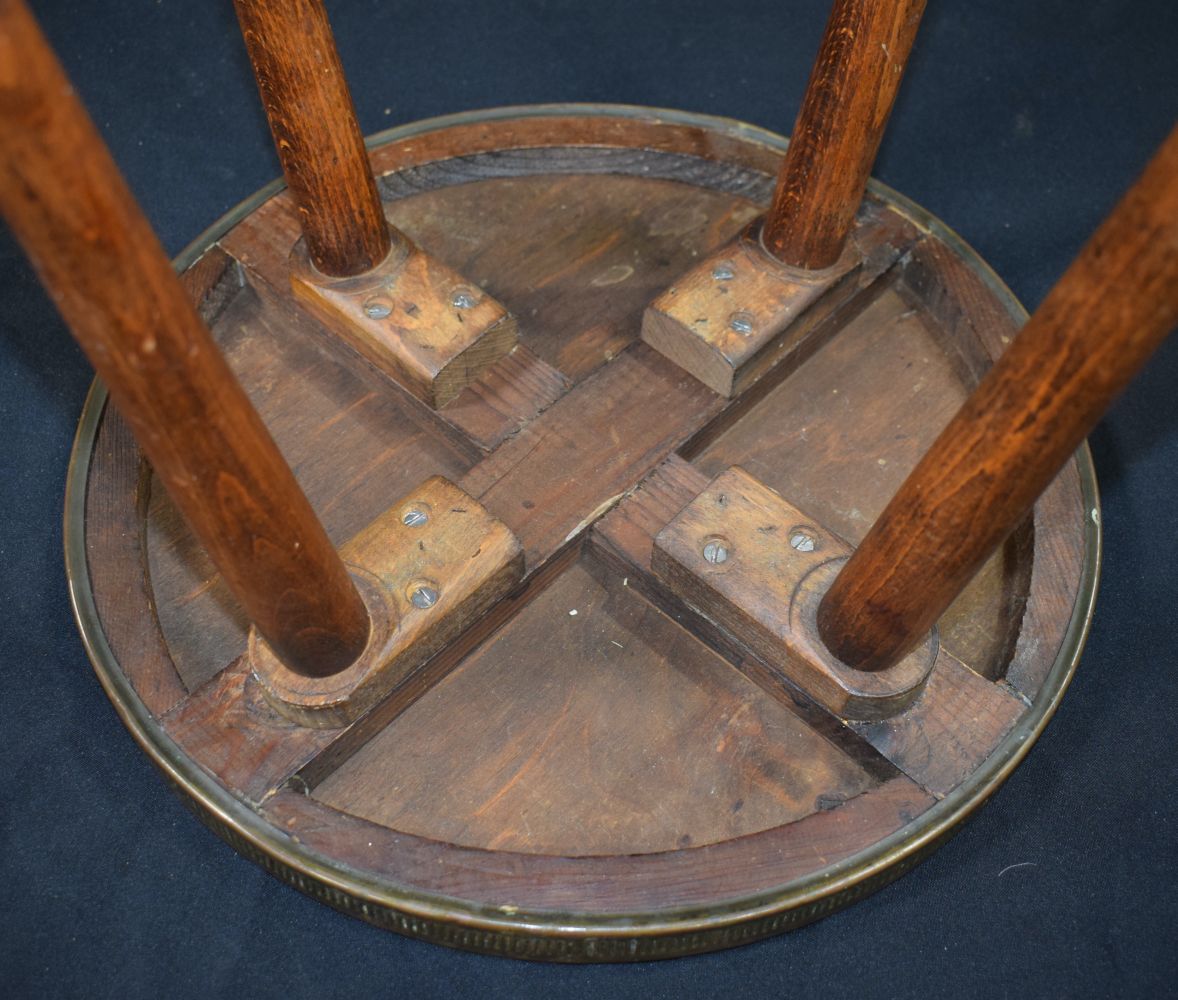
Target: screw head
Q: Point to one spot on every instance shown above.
(376, 309)
(741, 322)
(414, 517)
(716, 551)
(802, 540)
(462, 299)
(723, 271)
(424, 597)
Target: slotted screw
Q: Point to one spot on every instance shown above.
(716, 551)
(803, 541)
(424, 597)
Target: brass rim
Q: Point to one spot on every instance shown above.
(569, 935)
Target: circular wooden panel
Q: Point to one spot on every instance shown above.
(593, 771)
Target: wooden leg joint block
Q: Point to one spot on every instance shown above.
(756, 565)
(426, 568)
(738, 313)
(417, 320)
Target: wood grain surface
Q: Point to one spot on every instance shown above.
(749, 560)
(627, 736)
(429, 566)
(319, 142)
(69, 207)
(732, 318)
(636, 755)
(1093, 332)
(414, 318)
(852, 88)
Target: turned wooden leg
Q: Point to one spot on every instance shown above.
(761, 300)
(1093, 332)
(848, 100)
(316, 134)
(854, 627)
(69, 207)
(416, 319)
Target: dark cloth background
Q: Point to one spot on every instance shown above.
(1019, 124)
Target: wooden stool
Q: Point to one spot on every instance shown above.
(577, 533)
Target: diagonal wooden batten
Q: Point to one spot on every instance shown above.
(93, 249)
(1094, 331)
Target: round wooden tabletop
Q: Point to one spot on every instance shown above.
(593, 770)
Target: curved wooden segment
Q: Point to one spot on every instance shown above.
(552, 777)
(116, 500)
(587, 885)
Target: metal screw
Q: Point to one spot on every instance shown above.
(741, 322)
(723, 271)
(375, 309)
(414, 518)
(716, 551)
(462, 299)
(424, 597)
(803, 541)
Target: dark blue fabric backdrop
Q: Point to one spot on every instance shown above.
(1019, 124)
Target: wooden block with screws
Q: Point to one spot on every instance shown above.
(426, 568)
(413, 317)
(739, 312)
(758, 566)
